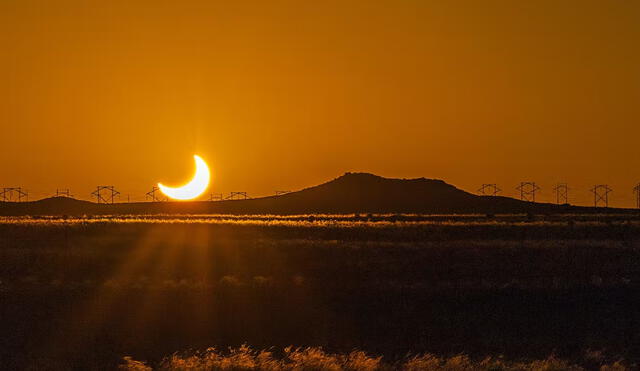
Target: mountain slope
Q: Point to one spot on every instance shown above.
(349, 193)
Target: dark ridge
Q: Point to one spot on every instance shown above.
(349, 193)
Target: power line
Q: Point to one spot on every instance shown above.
(13, 194)
(601, 194)
(489, 190)
(63, 193)
(562, 193)
(152, 195)
(105, 194)
(237, 196)
(215, 197)
(528, 191)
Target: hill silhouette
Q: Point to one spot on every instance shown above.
(349, 193)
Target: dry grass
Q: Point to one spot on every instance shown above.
(316, 359)
(342, 221)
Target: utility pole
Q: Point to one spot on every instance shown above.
(63, 193)
(601, 194)
(528, 191)
(489, 190)
(562, 193)
(636, 190)
(13, 194)
(215, 197)
(152, 195)
(237, 196)
(105, 194)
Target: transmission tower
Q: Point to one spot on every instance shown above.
(562, 193)
(105, 194)
(63, 193)
(215, 197)
(489, 190)
(601, 194)
(152, 195)
(280, 193)
(237, 196)
(528, 191)
(13, 194)
(636, 190)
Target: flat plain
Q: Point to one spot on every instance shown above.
(85, 292)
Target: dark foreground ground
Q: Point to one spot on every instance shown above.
(84, 293)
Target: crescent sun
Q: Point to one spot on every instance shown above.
(195, 187)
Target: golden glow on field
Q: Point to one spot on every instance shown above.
(195, 187)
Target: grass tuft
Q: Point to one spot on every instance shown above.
(244, 358)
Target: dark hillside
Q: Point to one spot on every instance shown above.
(349, 193)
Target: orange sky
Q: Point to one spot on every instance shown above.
(285, 94)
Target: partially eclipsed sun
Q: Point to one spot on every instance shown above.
(195, 187)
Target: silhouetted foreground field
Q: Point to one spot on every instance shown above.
(84, 293)
(244, 358)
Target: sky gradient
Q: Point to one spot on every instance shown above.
(280, 95)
